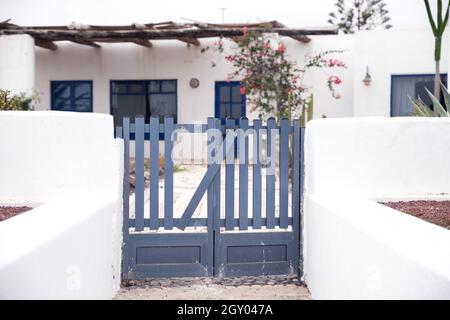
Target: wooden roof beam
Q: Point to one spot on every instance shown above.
(187, 35)
(142, 42)
(46, 44)
(188, 40)
(86, 43)
(303, 39)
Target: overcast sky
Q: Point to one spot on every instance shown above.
(294, 13)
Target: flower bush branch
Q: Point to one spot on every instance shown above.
(273, 83)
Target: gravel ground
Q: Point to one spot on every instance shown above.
(437, 212)
(242, 288)
(9, 212)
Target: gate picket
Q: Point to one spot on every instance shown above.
(139, 173)
(243, 174)
(270, 176)
(154, 173)
(229, 174)
(168, 174)
(284, 174)
(257, 174)
(125, 135)
(296, 186)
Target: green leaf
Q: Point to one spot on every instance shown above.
(446, 96)
(420, 110)
(438, 108)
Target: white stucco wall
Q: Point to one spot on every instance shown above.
(70, 168)
(63, 249)
(17, 63)
(51, 153)
(385, 52)
(389, 53)
(355, 248)
(359, 249)
(174, 60)
(378, 156)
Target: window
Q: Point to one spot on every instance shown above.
(230, 103)
(149, 98)
(71, 95)
(414, 86)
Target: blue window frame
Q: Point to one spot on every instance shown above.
(229, 102)
(413, 85)
(71, 95)
(149, 98)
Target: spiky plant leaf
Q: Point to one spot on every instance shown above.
(446, 96)
(419, 108)
(438, 108)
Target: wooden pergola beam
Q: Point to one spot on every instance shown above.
(46, 44)
(193, 41)
(142, 42)
(189, 33)
(86, 43)
(303, 39)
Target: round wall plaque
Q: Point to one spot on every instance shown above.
(194, 83)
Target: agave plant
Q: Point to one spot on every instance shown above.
(422, 110)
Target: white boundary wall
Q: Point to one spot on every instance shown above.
(355, 247)
(69, 245)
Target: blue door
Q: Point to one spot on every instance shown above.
(229, 102)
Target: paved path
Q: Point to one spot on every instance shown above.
(187, 181)
(251, 288)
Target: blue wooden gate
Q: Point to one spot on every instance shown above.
(265, 240)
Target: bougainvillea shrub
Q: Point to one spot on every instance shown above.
(273, 83)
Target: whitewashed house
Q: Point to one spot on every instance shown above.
(168, 75)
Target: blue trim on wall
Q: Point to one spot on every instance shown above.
(221, 84)
(393, 76)
(72, 84)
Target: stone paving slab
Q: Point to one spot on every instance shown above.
(233, 288)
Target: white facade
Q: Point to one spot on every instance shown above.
(174, 60)
(17, 64)
(385, 52)
(355, 248)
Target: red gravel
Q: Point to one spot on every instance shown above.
(9, 212)
(437, 212)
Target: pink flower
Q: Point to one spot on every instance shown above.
(335, 79)
(267, 45)
(245, 31)
(281, 48)
(243, 90)
(335, 63)
(230, 58)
